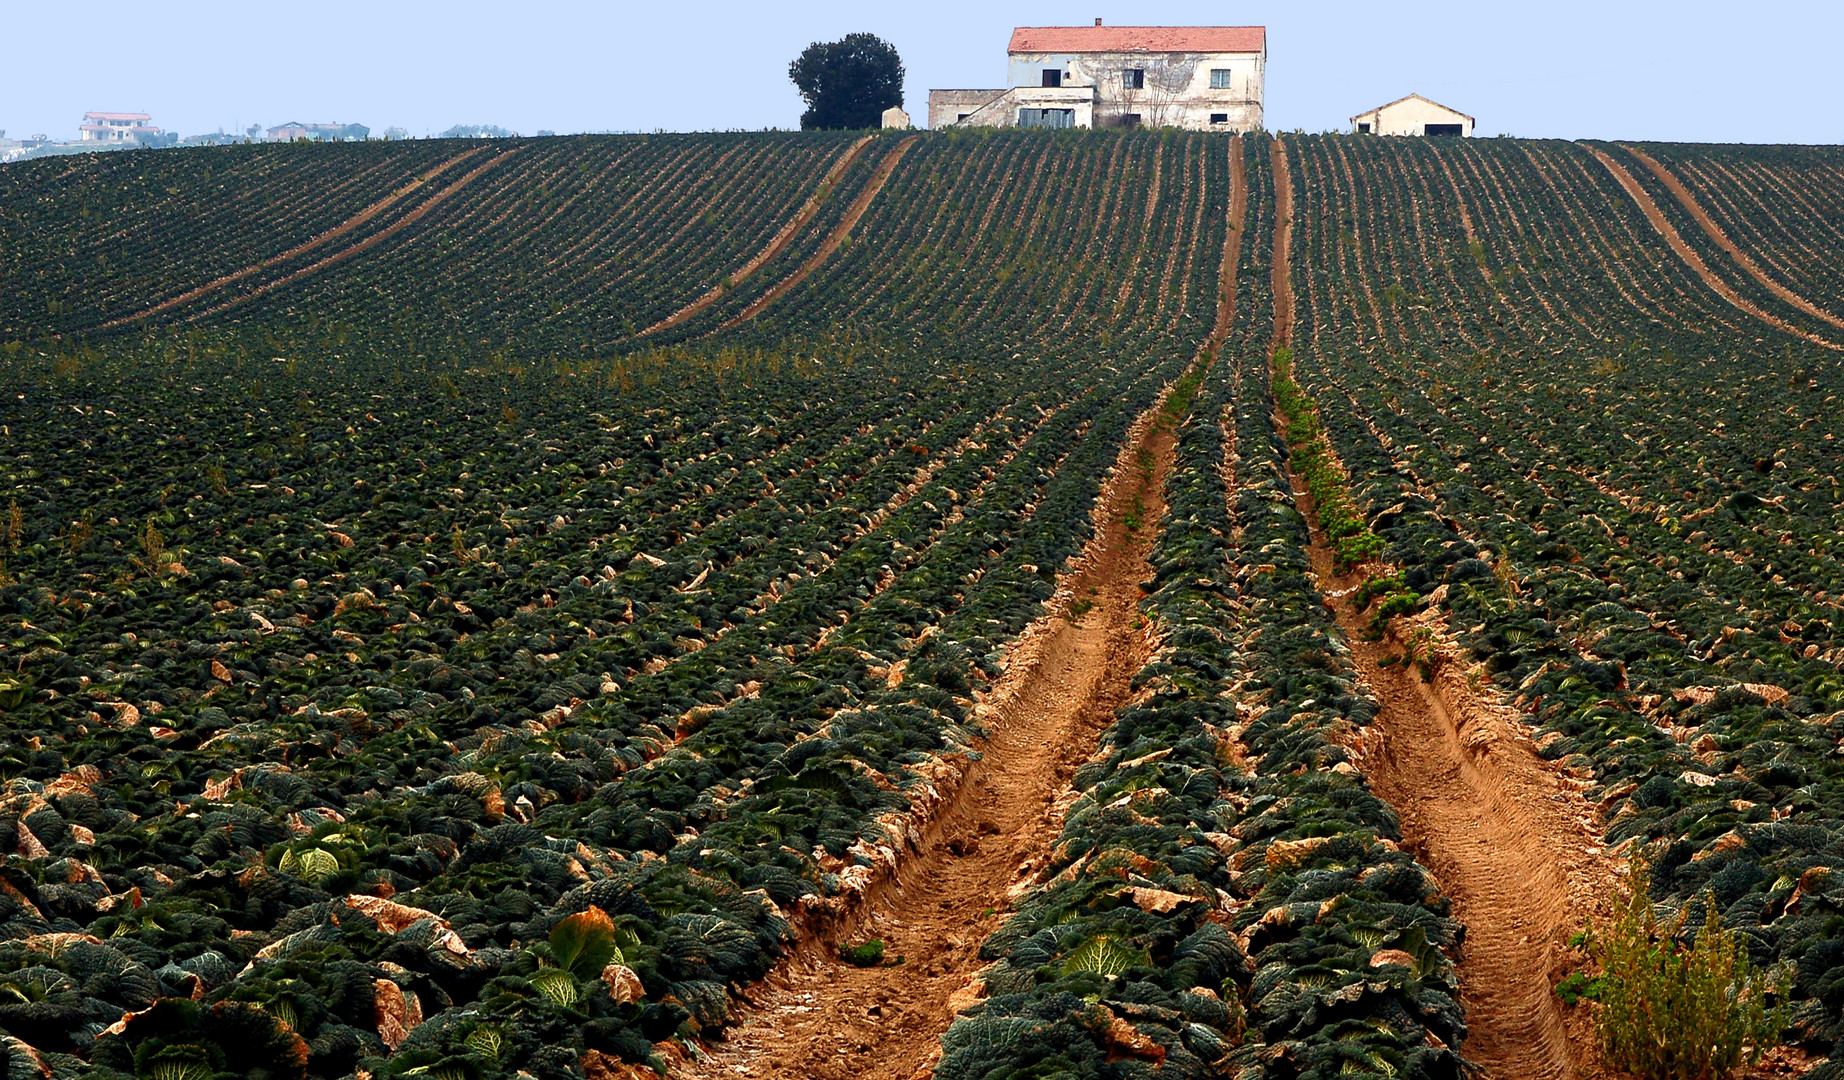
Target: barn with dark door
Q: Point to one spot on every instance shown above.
(1413, 115)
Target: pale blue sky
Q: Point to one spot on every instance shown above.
(1765, 71)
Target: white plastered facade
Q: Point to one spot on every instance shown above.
(1413, 115)
(1196, 91)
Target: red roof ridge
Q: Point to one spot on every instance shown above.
(1219, 39)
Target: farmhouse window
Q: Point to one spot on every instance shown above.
(1444, 129)
(1363, 129)
(1133, 79)
(1131, 119)
(1053, 77)
(1219, 118)
(1219, 78)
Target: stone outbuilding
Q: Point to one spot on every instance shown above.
(1201, 78)
(1413, 115)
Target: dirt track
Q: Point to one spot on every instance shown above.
(820, 1018)
(781, 240)
(1693, 260)
(1506, 838)
(1714, 231)
(1510, 843)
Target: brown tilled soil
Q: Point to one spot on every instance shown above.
(1512, 844)
(781, 240)
(834, 240)
(1715, 233)
(1693, 260)
(820, 1018)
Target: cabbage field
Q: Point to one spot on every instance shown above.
(474, 609)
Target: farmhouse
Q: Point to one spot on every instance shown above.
(1412, 115)
(1204, 78)
(116, 127)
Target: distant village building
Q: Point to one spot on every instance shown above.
(116, 127)
(895, 117)
(319, 132)
(1413, 115)
(1201, 78)
(478, 131)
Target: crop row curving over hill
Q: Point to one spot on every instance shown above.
(517, 609)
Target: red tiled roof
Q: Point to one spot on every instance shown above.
(1202, 39)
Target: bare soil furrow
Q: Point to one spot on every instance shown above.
(1692, 259)
(781, 240)
(1721, 239)
(1500, 830)
(821, 1018)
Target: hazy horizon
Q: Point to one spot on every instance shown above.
(1680, 72)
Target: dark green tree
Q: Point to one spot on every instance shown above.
(848, 83)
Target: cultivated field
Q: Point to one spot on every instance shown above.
(987, 605)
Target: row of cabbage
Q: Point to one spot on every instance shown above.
(1094, 232)
(208, 761)
(483, 715)
(92, 237)
(1780, 205)
(572, 245)
(442, 242)
(1629, 521)
(1226, 897)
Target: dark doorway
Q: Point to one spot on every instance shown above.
(1131, 119)
(1455, 130)
(1053, 77)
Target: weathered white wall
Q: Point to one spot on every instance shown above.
(946, 106)
(1177, 90)
(1411, 117)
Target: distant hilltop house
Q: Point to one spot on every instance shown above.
(116, 127)
(319, 132)
(1413, 115)
(1202, 78)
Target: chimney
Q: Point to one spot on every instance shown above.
(1097, 22)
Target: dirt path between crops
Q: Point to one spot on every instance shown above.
(1507, 839)
(781, 240)
(1283, 244)
(820, 1019)
(1714, 231)
(416, 184)
(1693, 260)
(833, 241)
(1512, 844)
